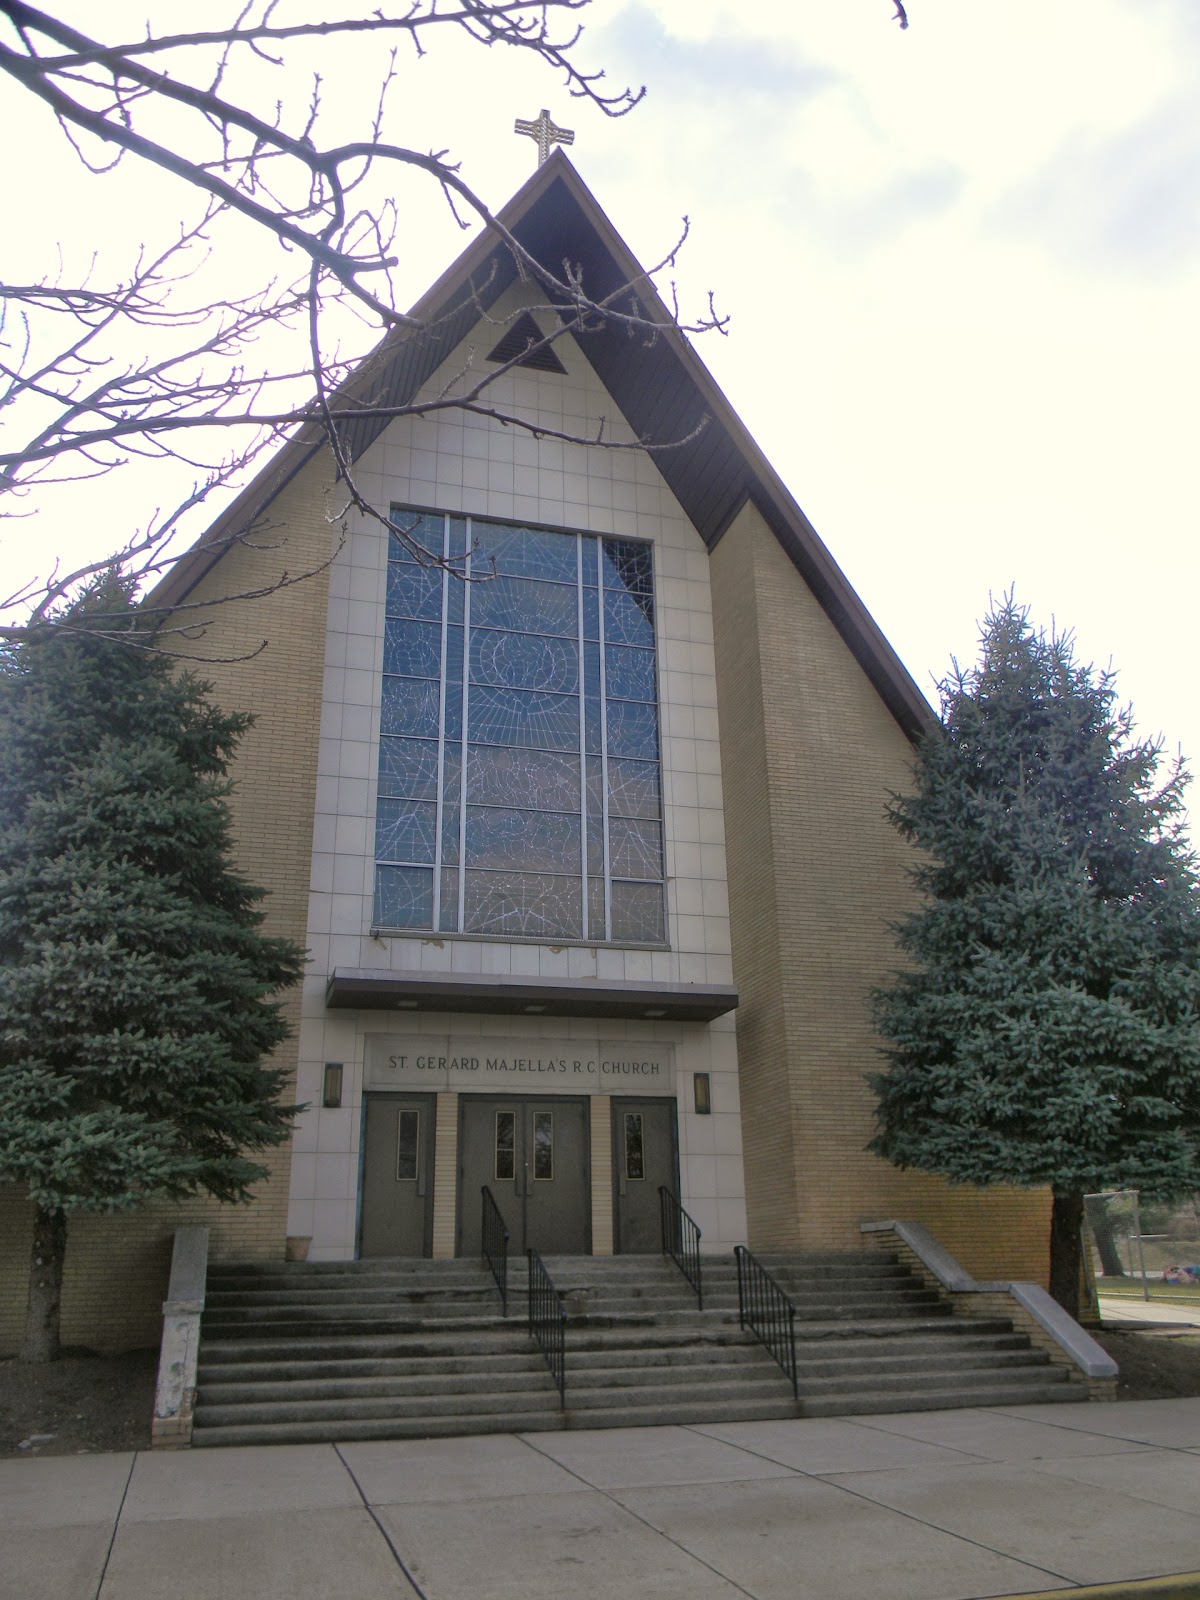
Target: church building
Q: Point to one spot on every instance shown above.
(582, 822)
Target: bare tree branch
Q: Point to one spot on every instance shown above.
(159, 364)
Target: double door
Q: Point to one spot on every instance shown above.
(533, 1156)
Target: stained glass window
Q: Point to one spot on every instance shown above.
(519, 776)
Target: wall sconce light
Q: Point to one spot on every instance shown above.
(332, 1094)
(703, 1096)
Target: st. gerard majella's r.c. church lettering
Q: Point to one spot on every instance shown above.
(580, 1068)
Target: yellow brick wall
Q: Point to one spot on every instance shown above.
(117, 1267)
(808, 754)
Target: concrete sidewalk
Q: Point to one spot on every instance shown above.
(928, 1505)
(1121, 1308)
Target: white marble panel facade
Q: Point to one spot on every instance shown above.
(464, 464)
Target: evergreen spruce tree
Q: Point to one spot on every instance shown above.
(136, 990)
(1047, 1028)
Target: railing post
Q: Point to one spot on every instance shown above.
(681, 1240)
(768, 1312)
(792, 1343)
(548, 1322)
(494, 1239)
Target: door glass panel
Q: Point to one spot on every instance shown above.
(506, 1129)
(408, 1143)
(543, 1144)
(635, 1150)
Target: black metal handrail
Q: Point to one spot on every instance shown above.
(767, 1312)
(680, 1239)
(495, 1245)
(548, 1322)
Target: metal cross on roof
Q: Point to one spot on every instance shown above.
(545, 131)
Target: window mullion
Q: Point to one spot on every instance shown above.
(603, 740)
(583, 811)
(441, 755)
(462, 780)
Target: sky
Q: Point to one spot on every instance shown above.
(961, 264)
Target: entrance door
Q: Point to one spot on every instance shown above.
(533, 1155)
(397, 1202)
(643, 1158)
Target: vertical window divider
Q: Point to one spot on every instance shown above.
(441, 756)
(608, 933)
(462, 780)
(583, 809)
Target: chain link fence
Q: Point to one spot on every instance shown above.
(1141, 1248)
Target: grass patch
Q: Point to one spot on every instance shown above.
(1179, 1293)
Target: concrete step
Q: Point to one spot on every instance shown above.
(867, 1402)
(491, 1366)
(413, 1302)
(289, 1389)
(947, 1359)
(943, 1324)
(483, 1314)
(377, 1409)
(313, 1432)
(378, 1346)
(679, 1414)
(917, 1382)
(325, 1323)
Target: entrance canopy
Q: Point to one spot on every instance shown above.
(365, 989)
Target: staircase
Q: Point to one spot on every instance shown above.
(387, 1349)
(871, 1337)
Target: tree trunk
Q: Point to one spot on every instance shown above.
(45, 1285)
(1066, 1249)
(1106, 1240)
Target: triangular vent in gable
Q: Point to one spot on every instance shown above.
(524, 333)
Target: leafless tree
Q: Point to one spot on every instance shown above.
(96, 374)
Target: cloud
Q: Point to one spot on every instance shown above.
(1129, 201)
(770, 135)
(695, 69)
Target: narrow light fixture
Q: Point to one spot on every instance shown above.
(332, 1094)
(660, 1012)
(702, 1093)
(533, 1011)
(407, 1005)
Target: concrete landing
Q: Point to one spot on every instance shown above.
(922, 1506)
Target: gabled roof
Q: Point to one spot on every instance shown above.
(662, 388)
